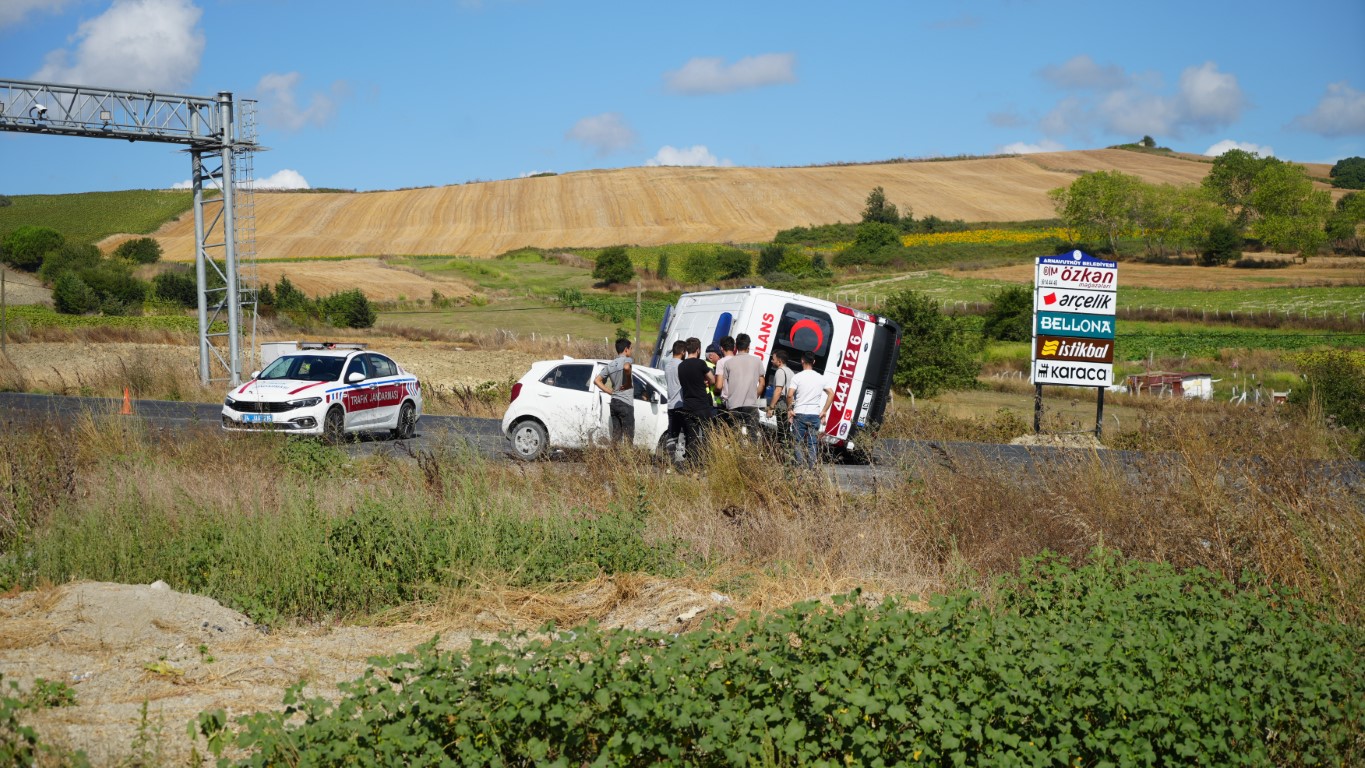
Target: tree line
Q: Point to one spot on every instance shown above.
(1243, 197)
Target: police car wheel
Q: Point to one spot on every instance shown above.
(529, 440)
(407, 422)
(334, 427)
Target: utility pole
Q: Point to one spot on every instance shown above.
(639, 287)
(4, 316)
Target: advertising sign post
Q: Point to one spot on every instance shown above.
(1074, 304)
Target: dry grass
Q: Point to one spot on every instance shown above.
(653, 206)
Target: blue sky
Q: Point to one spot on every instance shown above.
(431, 92)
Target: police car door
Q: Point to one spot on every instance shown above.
(359, 398)
(387, 392)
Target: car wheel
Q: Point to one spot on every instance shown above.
(529, 440)
(407, 422)
(334, 427)
(678, 446)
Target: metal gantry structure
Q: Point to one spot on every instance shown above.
(220, 136)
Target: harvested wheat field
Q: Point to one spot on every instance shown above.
(381, 281)
(658, 205)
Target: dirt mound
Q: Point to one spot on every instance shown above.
(121, 647)
(657, 205)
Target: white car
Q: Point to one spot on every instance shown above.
(556, 405)
(329, 390)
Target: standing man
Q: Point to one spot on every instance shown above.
(616, 381)
(810, 400)
(695, 380)
(713, 360)
(778, 403)
(675, 396)
(741, 381)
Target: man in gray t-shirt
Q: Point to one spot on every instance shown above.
(616, 381)
(742, 381)
(675, 398)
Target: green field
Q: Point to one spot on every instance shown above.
(89, 217)
(522, 316)
(523, 273)
(1335, 300)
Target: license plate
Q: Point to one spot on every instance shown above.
(867, 406)
(257, 418)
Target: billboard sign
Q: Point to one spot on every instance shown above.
(1074, 307)
(1073, 374)
(1076, 350)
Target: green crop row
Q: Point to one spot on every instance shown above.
(1208, 342)
(39, 316)
(1111, 663)
(89, 217)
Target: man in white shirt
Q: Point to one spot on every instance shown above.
(810, 400)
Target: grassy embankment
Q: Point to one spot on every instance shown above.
(436, 537)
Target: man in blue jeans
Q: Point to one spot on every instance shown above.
(810, 400)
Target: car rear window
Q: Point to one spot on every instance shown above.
(574, 376)
(381, 366)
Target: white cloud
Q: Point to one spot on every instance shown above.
(1340, 113)
(1022, 148)
(712, 75)
(604, 134)
(1132, 105)
(14, 11)
(135, 45)
(280, 106)
(697, 154)
(285, 179)
(1082, 72)
(1246, 146)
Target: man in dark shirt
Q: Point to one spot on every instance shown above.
(698, 408)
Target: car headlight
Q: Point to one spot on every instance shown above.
(229, 402)
(307, 402)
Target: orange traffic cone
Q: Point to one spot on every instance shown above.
(127, 409)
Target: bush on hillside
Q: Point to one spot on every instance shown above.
(347, 309)
(71, 296)
(25, 247)
(874, 243)
(178, 286)
(1010, 317)
(69, 257)
(1221, 246)
(141, 250)
(1336, 379)
(770, 258)
(613, 266)
(1349, 173)
(733, 264)
(700, 266)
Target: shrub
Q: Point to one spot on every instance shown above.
(1222, 245)
(701, 266)
(1010, 317)
(770, 258)
(938, 352)
(177, 285)
(613, 266)
(71, 296)
(1106, 664)
(140, 250)
(25, 247)
(67, 258)
(662, 270)
(347, 309)
(1336, 379)
(733, 264)
(1349, 173)
(288, 296)
(874, 243)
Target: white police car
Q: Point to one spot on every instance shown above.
(327, 389)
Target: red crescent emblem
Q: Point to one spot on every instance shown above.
(811, 325)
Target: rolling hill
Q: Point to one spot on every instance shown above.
(657, 205)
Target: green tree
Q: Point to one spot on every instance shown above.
(662, 271)
(1336, 378)
(613, 266)
(937, 353)
(874, 242)
(347, 309)
(878, 210)
(1010, 317)
(1349, 173)
(71, 296)
(734, 264)
(700, 266)
(288, 297)
(139, 250)
(67, 258)
(177, 285)
(1222, 245)
(1097, 205)
(1288, 214)
(1232, 180)
(114, 280)
(1148, 142)
(770, 258)
(1344, 224)
(25, 247)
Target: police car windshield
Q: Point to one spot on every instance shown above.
(304, 368)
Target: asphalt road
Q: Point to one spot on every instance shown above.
(485, 437)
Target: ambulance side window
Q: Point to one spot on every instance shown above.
(805, 329)
(723, 324)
